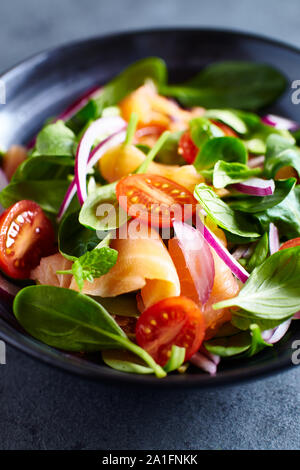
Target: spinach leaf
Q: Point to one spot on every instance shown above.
(49, 194)
(258, 204)
(280, 152)
(73, 238)
(229, 173)
(56, 139)
(44, 168)
(101, 210)
(92, 264)
(223, 215)
(245, 85)
(256, 140)
(71, 321)
(113, 92)
(125, 361)
(286, 215)
(272, 290)
(230, 149)
(121, 305)
(241, 122)
(260, 253)
(202, 130)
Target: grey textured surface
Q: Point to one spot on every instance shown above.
(44, 408)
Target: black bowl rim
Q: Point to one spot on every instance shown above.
(78, 366)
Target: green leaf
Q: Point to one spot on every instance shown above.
(229, 173)
(44, 167)
(280, 153)
(125, 361)
(176, 359)
(202, 130)
(71, 321)
(245, 85)
(48, 194)
(260, 253)
(152, 153)
(222, 214)
(243, 320)
(230, 149)
(168, 154)
(55, 139)
(73, 238)
(113, 92)
(240, 121)
(101, 210)
(255, 204)
(92, 264)
(122, 305)
(256, 140)
(286, 215)
(272, 290)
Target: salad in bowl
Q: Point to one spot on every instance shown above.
(157, 224)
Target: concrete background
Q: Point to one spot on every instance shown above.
(43, 408)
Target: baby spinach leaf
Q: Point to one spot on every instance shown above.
(272, 290)
(71, 321)
(285, 215)
(49, 194)
(125, 361)
(225, 173)
(113, 92)
(55, 139)
(260, 253)
(92, 264)
(245, 85)
(202, 130)
(44, 167)
(258, 204)
(73, 238)
(280, 152)
(223, 215)
(241, 122)
(256, 140)
(230, 149)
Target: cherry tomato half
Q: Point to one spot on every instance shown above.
(188, 150)
(290, 243)
(26, 235)
(172, 321)
(155, 200)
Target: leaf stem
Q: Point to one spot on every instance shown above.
(131, 128)
(153, 152)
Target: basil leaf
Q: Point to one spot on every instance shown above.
(229, 173)
(272, 290)
(92, 264)
(222, 214)
(280, 152)
(113, 92)
(48, 194)
(73, 238)
(260, 253)
(231, 84)
(230, 149)
(286, 215)
(71, 321)
(258, 204)
(55, 139)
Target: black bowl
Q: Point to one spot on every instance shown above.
(45, 84)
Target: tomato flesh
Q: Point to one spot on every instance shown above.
(154, 199)
(26, 235)
(172, 321)
(290, 243)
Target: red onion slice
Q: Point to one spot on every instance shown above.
(235, 267)
(274, 243)
(256, 162)
(78, 104)
(256, 187)
(280, 122)
(274, 335)
(198, 258)
(95, 130)
(203, 362)
(297, 316)
(3, 184)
